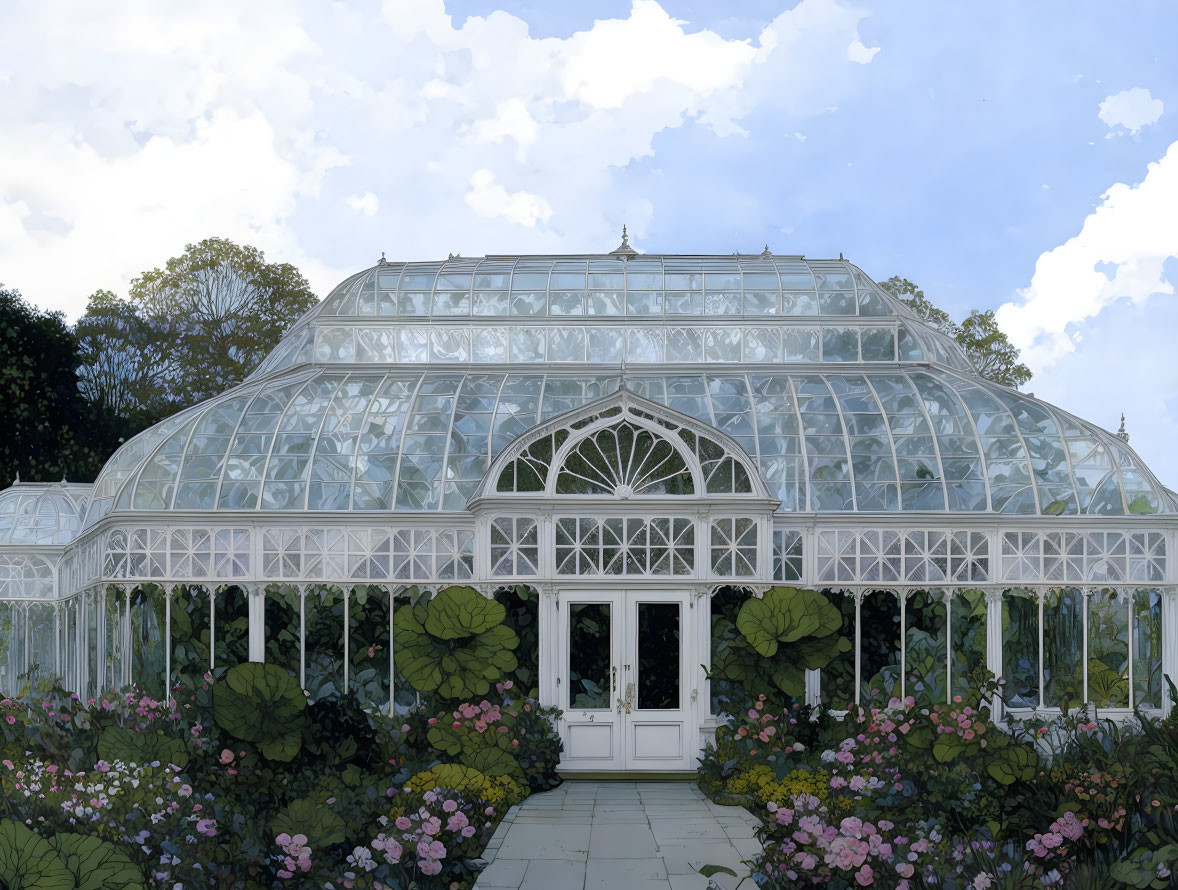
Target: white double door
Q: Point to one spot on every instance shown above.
(624, 680)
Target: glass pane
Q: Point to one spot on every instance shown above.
(324, 641)
(589, 655)
(1147, 649)
(147, 640)
(880, 641)
(282, 627)
(924, 654)
(1063, 647)
(1108, 649)
(658, 656)
(1020, 650)
(8, 685)
(231, 636)
(969, 642)
(368, 639)
(838, 677)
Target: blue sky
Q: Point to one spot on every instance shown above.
(1002, 154)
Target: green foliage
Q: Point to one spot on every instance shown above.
(455, 645)
(1148, 869)
(50, 431)
(261, 703)
(1013, 763)
(313, 818)
(189, 331)
(117, 743)
(495, 762)
(988, 348)
(29, 862)
(96, 864)
(786, 614)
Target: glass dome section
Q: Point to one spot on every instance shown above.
(35, 513)
(901, 439)
(608, 310)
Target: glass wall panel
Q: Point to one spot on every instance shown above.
(1063, 648)
(589, 655)
(969, 643)
(838, 677)
(232, 638)
(93, 668)
(115, 656)
(325, 641)
(7, 677)
(1108, 648)
(658, 641)
(924, 642)
(1147, 649)
(405, 697)
(147, 639)
(523, 616)
(190, 634)
(368, 642)
(880, 643)
(1020, 648)
(282, 627)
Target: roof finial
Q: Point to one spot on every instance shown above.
(16, 481)
(766, 251)
(1121, 434)
(624, 249)
(383, 261)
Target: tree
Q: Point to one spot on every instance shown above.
(189, 331)
(987, 347)
(50, 432)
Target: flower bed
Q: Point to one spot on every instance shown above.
(244, 783)
(901, 796)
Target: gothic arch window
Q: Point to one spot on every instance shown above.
(624, 450)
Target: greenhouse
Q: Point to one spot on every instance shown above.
(617, 447)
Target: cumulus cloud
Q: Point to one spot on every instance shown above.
(489, 199)
(1131, 109)
(1119, 254)
(129, 129)
(366, 203)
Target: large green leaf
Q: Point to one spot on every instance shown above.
(1013, 763)
(118, 743)
(495, 762)
(97, 864)
(313, 819)
(261, 703)
(455, 665)
(462, 612)
(29, 862)
(786, 614)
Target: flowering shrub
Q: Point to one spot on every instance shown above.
(762, 783)
(497, 791)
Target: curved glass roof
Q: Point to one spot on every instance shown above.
(608, 310)
(41, 513)
(899, 439)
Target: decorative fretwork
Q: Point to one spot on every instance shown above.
(25, 576)
(787, 555)
(625, 546)
(734, 547)
(1084, 557)
(905, 557)
(372, 554)
(515, 547)
(640, 454)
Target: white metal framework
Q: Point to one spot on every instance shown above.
(676, 424)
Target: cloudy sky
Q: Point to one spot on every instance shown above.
(1008, 155)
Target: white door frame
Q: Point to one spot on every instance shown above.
(608, 739)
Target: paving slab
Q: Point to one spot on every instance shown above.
(588, 835)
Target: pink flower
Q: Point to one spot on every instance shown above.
(403, 823)
(207, 827)
(864, 876)
(429, 866)
(449, 805)
(226, 756)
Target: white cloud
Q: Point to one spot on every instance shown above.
(487, 198)
(366, 203)
(1119, 253)
(1131, 109)
(130, 129)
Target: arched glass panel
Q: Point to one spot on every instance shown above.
(623, 460)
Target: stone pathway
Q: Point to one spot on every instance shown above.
(618, 835)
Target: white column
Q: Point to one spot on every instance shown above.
(1169, 645)
(212, 628)
(168, 645)
(257, 622)
(303, 637)
(947, 597)
(994, 643)
(347, 636)
(392, 661)
(903, 595)
(858, 594)
(1040, 596)
(1086, 593)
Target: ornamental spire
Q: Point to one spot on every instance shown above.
(624, 249)
(1121, 434)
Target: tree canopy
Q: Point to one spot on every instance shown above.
(50, 430)
(188, 331)
(987, 347)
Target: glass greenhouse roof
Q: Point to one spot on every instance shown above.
(40, 513)
(899, 439)
(609, 310)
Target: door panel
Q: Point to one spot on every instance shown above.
(622, 681)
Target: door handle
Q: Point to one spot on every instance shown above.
(614, 684)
